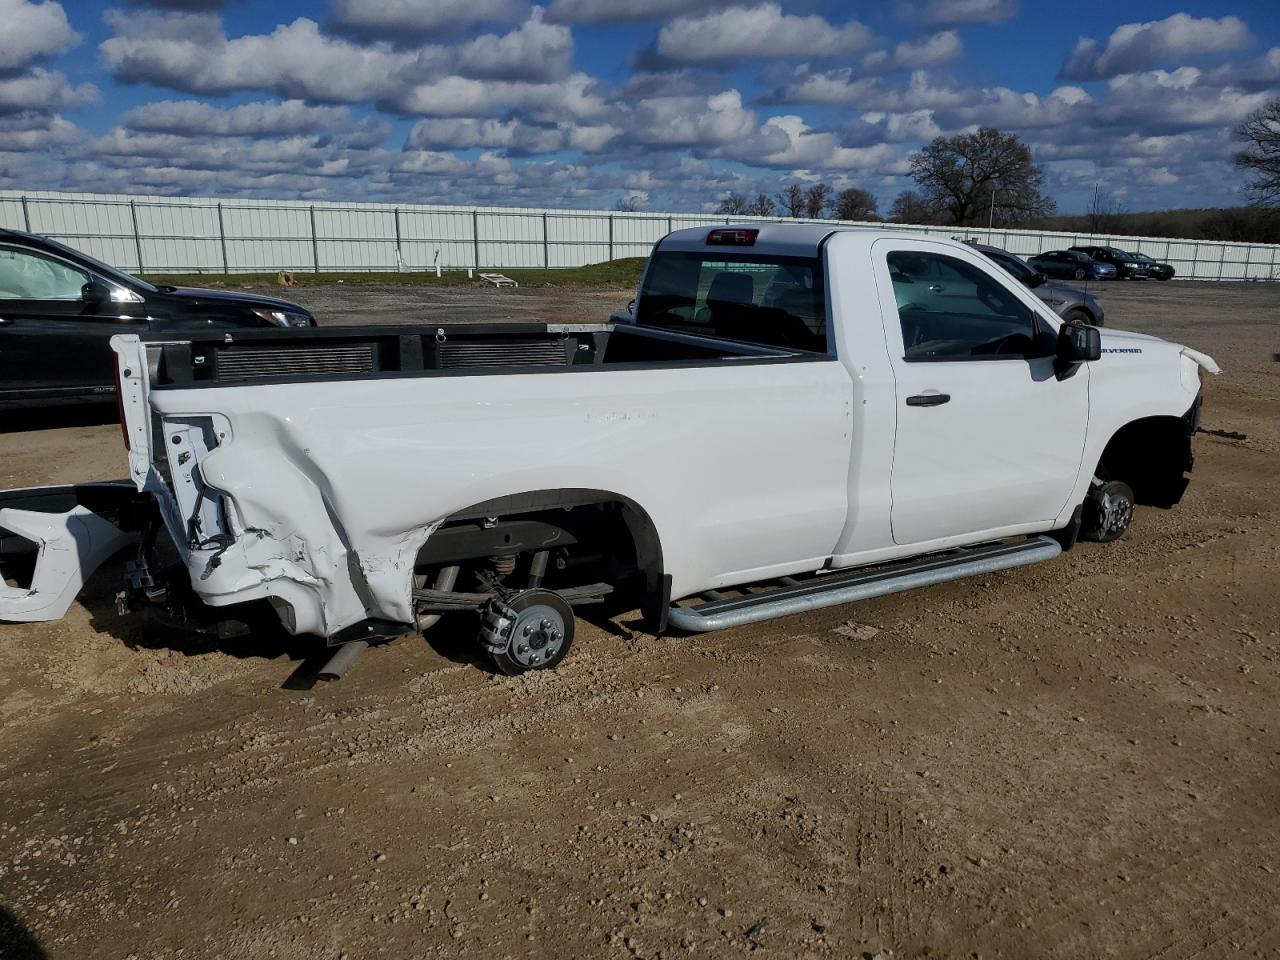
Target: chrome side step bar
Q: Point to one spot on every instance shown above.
(832, 589)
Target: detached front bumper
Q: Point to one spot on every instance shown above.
(52, 539)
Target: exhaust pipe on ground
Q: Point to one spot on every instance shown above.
(343, 659)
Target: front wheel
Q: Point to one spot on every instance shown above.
(1080, 273)
(1076, 315)
(1108, 511)
(531, 630)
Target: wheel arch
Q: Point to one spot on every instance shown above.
(1152, 455)
(1090, 317)
(645, 539)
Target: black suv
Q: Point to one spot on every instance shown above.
(59, 309)
(1071, 264)
(1155, 269)
(1128, 266)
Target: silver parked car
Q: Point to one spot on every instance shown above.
(1070, 303)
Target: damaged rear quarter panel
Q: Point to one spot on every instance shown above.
(335, 486)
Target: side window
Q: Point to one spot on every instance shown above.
(28, 276)
(952, 310)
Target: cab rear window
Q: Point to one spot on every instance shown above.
(775, 301)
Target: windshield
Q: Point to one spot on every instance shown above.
(777, 301)
(108, 271)
(1014, 266)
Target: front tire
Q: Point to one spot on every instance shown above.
(1108, 511)
(1077, 315)
(1080, 273)
(540, 633)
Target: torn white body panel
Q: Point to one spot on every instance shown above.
(69, 547)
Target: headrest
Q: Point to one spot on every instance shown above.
(730, 287)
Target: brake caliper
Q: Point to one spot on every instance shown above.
(497, 620)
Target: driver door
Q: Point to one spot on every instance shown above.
(987, 439)
(55, 342)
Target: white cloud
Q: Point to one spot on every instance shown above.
(188, 117)
(763, 31)
(453, 96)
(690, 121)
(297, 60)
(190, 52)
(623, 11)
(43, 91)
(534, 51)
(27, 132)
(1184, 102)
(947, 13)
(839, 88)
(188, 6)
(932, 51)
(33, 31)
(403, 20)
(1138, 46)
(513, 135)
(788, 142)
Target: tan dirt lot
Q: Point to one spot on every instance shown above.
(1077, 759)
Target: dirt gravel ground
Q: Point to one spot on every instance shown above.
(1077, 759)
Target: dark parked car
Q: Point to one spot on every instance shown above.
(1128, 266)
(59, 309)
(1070, 303)
(1155, 269)
(1071, 264)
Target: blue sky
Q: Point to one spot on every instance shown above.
(669, 104)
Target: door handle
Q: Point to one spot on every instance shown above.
(928, 399)
(935, 288)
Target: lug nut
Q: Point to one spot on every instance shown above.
(524, 648)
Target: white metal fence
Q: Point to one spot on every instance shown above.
(205, 235)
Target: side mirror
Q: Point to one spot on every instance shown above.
(1034, 280)
(1077, 343)
(95, 291)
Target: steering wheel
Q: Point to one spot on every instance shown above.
(998, 345)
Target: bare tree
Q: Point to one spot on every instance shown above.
(816, 199)
(762, 206)
(629, 204)
(793, 200)
(971, 176)
(853, 204)
(1261, 156)
(911, 207)
(734, 205)
(1104, 213)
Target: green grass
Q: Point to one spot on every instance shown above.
(613, 273)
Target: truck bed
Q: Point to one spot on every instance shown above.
(253, 356)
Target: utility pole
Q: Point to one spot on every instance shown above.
(991, 214)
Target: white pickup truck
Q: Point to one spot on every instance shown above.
(796, 416)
